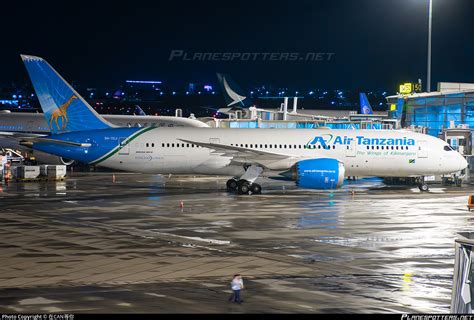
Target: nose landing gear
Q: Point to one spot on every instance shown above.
(422, 185)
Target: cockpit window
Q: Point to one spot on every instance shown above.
(448, 148)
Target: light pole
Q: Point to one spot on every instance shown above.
(428, 80)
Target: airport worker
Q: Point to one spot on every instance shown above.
(236, 285)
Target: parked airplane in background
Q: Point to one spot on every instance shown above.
(365, 107)
(234, 96)
(35, 123)
(316, 158)
(21, 123)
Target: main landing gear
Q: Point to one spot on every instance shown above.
(246, 183)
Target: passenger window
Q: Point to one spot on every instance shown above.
(168, 145)
(265, 146)
(319, 147)
(172, 145)
(147, 145)
(152, 145)
(182, 145)
(163, 145)
(187, 145)
(334, 146)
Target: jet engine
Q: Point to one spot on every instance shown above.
(324, 173)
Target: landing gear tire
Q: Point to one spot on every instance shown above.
(231, 185)
(423, 187)
(243, 188)
(256, 188)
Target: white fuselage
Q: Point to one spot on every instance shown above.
(363, 152)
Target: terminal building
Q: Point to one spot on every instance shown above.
(447, 113)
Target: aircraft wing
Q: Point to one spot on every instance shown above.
(243, 155)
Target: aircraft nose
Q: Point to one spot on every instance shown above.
(462, 163)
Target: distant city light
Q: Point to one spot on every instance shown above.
(143, 81)
(208, 88)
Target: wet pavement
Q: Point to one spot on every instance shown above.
(88, 244)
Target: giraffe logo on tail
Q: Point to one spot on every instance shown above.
(61, 113)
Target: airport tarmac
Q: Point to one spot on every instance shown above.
(91, 245)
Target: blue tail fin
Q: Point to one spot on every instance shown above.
(365, 107)
(233, 95)
(64, 109)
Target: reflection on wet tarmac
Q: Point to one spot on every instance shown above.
(381, 249)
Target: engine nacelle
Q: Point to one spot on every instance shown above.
(46, 158)
(324, 173)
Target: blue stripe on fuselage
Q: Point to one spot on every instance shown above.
(102, 142)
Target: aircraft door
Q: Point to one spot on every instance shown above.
(351, 149)
(422, 149)
(124, 147)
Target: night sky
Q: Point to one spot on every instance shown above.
(377, 44)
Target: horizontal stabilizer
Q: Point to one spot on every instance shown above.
(61, 142)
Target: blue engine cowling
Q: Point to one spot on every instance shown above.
(321, 173)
